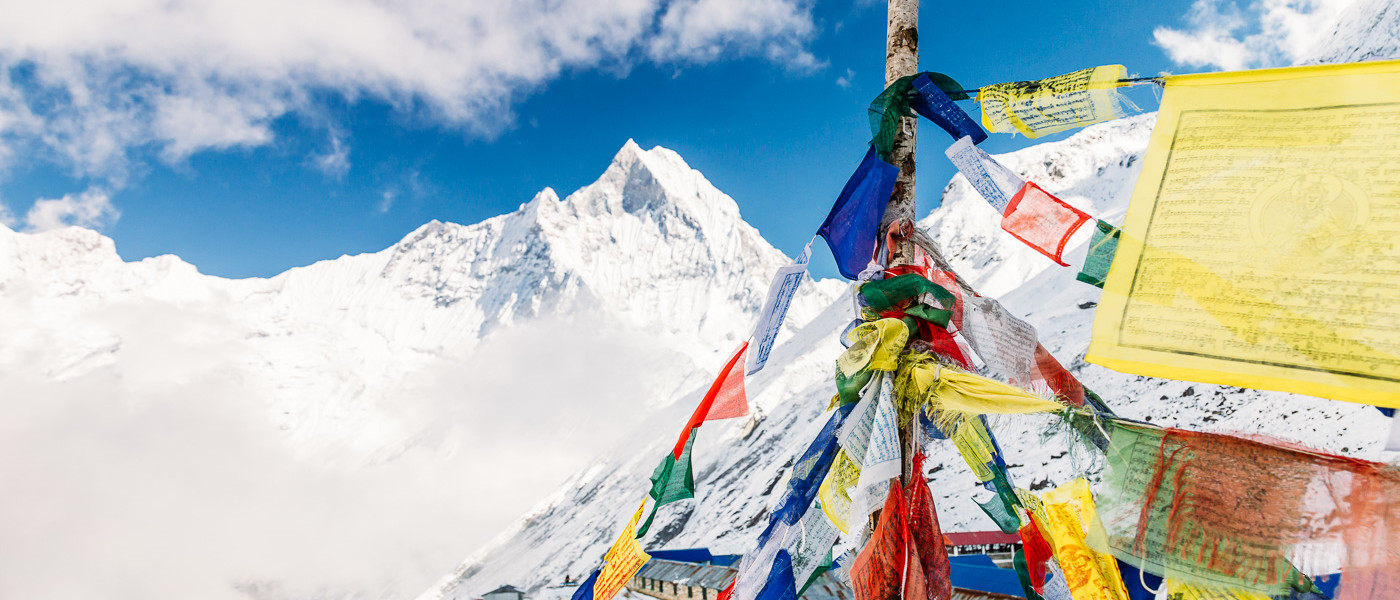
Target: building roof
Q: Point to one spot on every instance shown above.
(505, 589)
(977, 538)
(990, 580)
(692, 555)
(684, 573)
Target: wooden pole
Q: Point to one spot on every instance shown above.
(902, 59)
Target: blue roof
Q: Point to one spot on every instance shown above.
(985, 579)
(972, 560)
(694, 555)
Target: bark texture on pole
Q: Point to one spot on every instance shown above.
(901, 59)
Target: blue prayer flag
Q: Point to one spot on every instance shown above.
(853, 227)
(585, 589)
(1133, 580)
(781, 584)
(936, 106)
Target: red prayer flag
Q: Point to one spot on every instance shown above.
(1042, 221)
(878, 571)
(926, 539)
(725, 399)
(1038, 554)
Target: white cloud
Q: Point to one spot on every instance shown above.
(386, 201)
(335, 161)
(88, 80)
(844, 81)
(92, 209)
(1265, 33)
(162, 472)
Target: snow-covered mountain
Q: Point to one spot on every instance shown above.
(530, 338)
(740, 466)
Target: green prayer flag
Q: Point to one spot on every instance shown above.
(885, 112)
(889, 293)
(1023, 572)
(672, 480)
(1102, 247)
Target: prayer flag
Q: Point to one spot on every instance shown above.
(770, 321)
(853, 226)
(585, 589)
(936, 106)
(996, 183)
(1220, 511)
(875, 345)
(1259, 247)
(1090, 575)
(926, 536)
(674, 478)
(622, 561)
(878, 571)
(1046, 106)
(780, 585)
(885, 112)
(1042, 221)
(1102, 247)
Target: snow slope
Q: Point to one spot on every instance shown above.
(740, 466)
(537, 335)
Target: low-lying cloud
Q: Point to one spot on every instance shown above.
(143, 457)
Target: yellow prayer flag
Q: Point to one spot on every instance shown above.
(835, 494)
(1262, 245)
(876, 344)
(622, 561)
(1090, 575)
(1052, 105)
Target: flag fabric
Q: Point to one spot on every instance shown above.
(775, 307)
(585, 589)
(878, 571)
(926, 536)
(781, 584)
(935, 105)
(1042, 221)
(1090, 575)
(622, 561)
(1220, 511)
(808, 472)
(1102, 247)
(674, 478)
(1046, 106)
(996, 183)
(852, 227)
(1266, 189)
(874, 345)
(885, 113)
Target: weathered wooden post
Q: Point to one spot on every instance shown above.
(902, 59)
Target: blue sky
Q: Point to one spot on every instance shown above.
(321, 159)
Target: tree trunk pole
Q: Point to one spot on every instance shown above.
(902, 59)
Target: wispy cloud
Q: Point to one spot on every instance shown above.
(386, 201)
(91, 209)
(86, 81)
(1266, 33)
(844, 81)
(335, 161)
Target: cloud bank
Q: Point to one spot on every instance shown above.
(1266, 33)
(87, 81)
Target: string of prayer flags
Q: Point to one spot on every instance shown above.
(1102, 246)
(674, 478)
(996, 183)
(622, 561)
(808, 471)
(1090, 575)
(775, 307)
(935, 105)
(852, 227)
(1061, 103)
(1273, 190)
(1220, 511)
(1042, 221)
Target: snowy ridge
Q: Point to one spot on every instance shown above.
(1367, 30)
